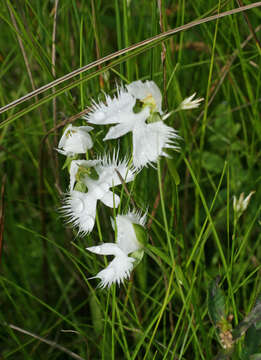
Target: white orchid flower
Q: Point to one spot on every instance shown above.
(80, 207)
(127, 242)
(189, 103)
(75, 140)
(150, 134)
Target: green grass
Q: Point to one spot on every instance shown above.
(49, 309)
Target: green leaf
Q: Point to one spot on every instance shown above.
(255, 357)
(160, 254)
(223, 124)
(252, 340)
(173, 171)
(96, 314)
(216, 303)
(212, 162)
(253, 318)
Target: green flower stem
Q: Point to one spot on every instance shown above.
(164, 215)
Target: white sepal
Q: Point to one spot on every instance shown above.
(106, 249)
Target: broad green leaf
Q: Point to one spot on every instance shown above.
(161, 254)
(252, 341)
(173, 171)
(96, 314)
(212, 162)
(254, 317)
(216, 303)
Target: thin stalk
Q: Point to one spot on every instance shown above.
(164, 214)
(155, 39)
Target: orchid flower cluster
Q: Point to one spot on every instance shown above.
(136, 109)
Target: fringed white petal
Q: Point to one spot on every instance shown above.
(136, 217)
(116, 272)
(149, 141)
(118, 269)
(79, 209)
(144, 90)
(114, 110)
(107, 170)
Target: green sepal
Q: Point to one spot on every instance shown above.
(80, 187)
(93, 173)
(137, 255)
(154, 117)
(68, 161)
(84, 171)
(141, 234)
(138, 107)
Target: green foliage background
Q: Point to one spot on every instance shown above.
(162, 312)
